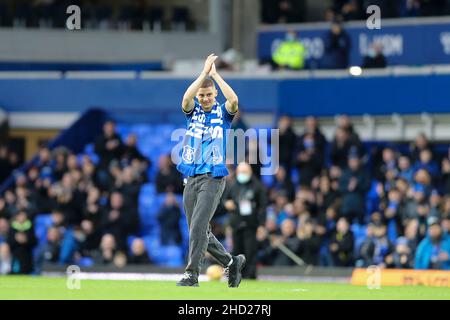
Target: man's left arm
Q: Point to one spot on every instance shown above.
(232, 99)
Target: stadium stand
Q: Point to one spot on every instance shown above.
(362, 184)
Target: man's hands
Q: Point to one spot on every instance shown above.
(213, 71)
(209, 64)
(209, 69)
(188, 99)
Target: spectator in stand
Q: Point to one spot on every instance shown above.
(59, 167)
(119, 221)
(405, 170)
(342, 146)
(341, 244)
(6, 167)
(337, 48)
(287, 143)
(21, 241)
(354, 185)
(326, 196)
(392, 208)
(44, 158)
(130, 150)
(5, 213)
(388, 163)
(409, 8)
(324, 229)
(420, 143)
(446, 225)
(403, 257)
(345, 122)
(374, 59)
(309, 243)
(382, 246)
(286, 238)
(367, 248)
(433, 252)
(169, 220)
(445, 207)
(138, 253)
(49, 250)
(344, 10)
(107, 250)
(14, 160)
(168, 179)
(5, 256)
(351, 10)
(287, 12)
(446, 173)
(127, 183)
(108, 147)
(436, 202)
(426, 162)
(311, 151)
(67, 199)
(282, 183)
(417, 197)
(91, 221)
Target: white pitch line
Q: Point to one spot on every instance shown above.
(123, 276)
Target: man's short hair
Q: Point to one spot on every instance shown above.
(208, 83)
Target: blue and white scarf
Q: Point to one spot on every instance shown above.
(204, 145)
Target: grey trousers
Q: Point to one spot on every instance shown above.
(201, 197)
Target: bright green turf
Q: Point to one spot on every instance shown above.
(55, 288)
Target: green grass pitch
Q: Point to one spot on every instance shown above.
(26, 287)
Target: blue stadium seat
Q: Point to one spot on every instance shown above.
(295, 176)
(267, 180)
(123, 130)
(359, 232)
(89, 150)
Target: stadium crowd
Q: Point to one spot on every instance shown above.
(93, 207)
(296, 11)
(356, 207)
(332, 203)
(143, 15)
(123, 15)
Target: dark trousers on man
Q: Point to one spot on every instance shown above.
(201, 197)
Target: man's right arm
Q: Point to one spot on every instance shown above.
(188, 98)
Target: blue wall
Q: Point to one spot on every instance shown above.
(298, 97)
(355, 96)
(159, 95)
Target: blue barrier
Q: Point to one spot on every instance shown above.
(158, 100)
(66, 66)
(372, 95)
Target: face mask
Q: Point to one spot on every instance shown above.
(371, 53)
(243, 178)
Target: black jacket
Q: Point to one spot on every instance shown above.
(253, 191)
(106, 156)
